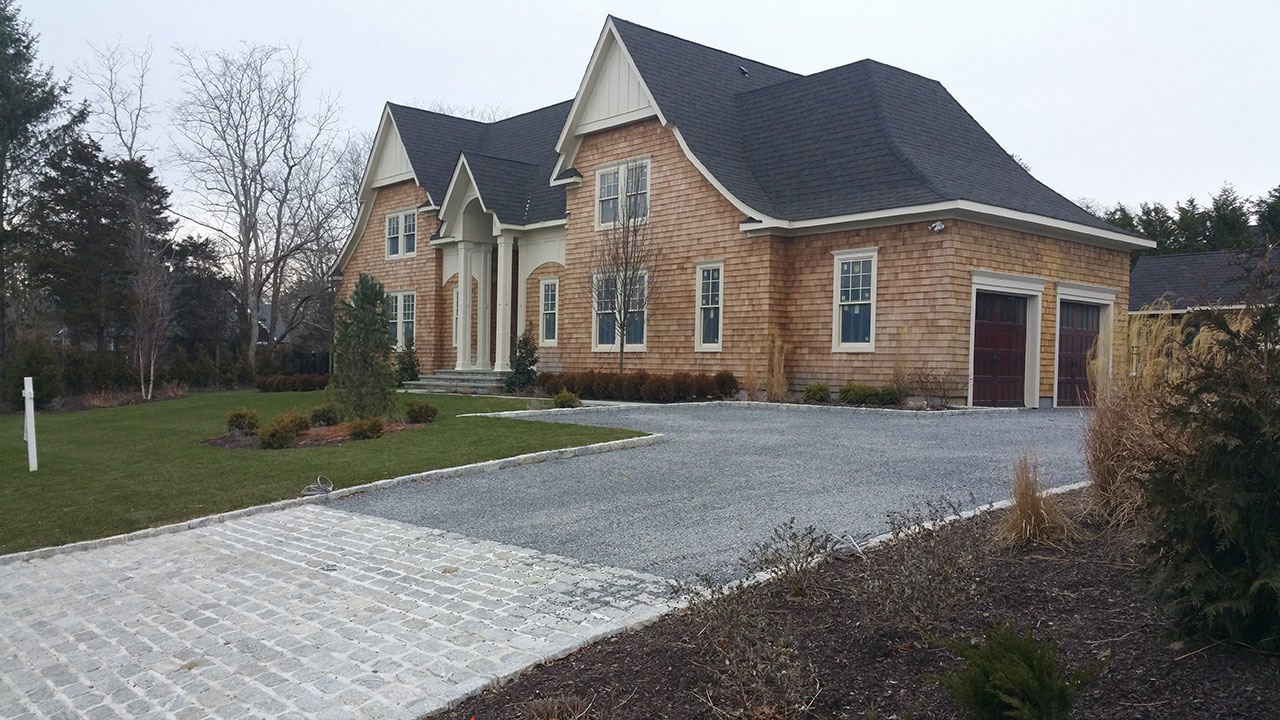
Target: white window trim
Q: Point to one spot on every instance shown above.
(400, 318)
(1026, 286)
(1102, 297)
(839, 256)
(417, 235)
(595, 325)
(698, 267)
(622, 188)
(542, 315)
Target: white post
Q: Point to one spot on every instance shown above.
(484, 328)
(29, 425)
(502, 357)
(464, 306)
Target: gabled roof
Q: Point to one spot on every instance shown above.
(510, 158)
(1190, 280)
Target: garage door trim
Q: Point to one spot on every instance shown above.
(1026, 286)
(1103, 297)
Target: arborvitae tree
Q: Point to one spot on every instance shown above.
(363, 383)
(524, 360)
(36, 120)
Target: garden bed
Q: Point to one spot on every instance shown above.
(315, 437)
(1090, 598)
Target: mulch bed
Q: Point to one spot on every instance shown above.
(315, 437)
(1090, 598)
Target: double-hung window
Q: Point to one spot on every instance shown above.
(854, 300)
(548, 324)
(402, 234)
(626, 182)
(403, 309)
(710, 300)
(606, 304)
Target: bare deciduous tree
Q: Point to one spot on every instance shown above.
(254, 155)
(484, 114)
(624, 257)
(118, 76)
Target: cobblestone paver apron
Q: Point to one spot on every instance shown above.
(307, 612)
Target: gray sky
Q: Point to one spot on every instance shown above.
(1106, 99)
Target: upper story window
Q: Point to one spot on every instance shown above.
(403, 310)
(710, 299)
(622, 193)
(402, 234)
(854, 301)
(550, 315)
(606, 301)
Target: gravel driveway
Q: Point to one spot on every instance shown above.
(728, 473)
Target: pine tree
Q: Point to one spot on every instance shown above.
(1267, 208)
(407, 363)
(36, 120)
(363, 384)
(1228, 220)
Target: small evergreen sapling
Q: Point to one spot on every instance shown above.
(407, 363)
(524, 361)
(363, 384)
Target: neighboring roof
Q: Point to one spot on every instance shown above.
(857, 138)
(1187, 280)
(514, 156)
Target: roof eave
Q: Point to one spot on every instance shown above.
(957, 209)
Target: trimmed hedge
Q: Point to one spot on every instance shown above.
(291, 383)
(640, 385)
(817, 393)
(854, 394)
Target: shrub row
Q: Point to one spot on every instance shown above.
(640, 385)
(292, 383)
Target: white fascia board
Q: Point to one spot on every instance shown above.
(386, 124)
(1181, 311)
(534, 226)
(446, 206)
(569, 141)
(961, 209)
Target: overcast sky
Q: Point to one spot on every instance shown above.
(1115, 100)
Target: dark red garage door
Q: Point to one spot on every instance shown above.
(1077, 335)
(999, 350)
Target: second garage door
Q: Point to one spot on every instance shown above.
(999, 350)
(1077, 336)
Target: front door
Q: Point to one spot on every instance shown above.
(1077, 336)
(999, 350)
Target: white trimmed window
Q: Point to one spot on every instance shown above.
(548, 323)
(402, 234)
(627, 182)
(403, 309)
(604, 333)
(710, 277)
(854, 301)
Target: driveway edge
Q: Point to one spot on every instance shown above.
(788, 407)
(439, 474)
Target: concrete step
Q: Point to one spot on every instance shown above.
(467, 382)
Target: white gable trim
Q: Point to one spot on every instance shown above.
(458, 195)
(386, 128)
(570, 135)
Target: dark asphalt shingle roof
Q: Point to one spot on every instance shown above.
(857, 138)
(515, 155)
(1191, 279)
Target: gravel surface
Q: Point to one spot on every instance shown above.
(729, 473)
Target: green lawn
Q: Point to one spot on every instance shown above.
(110, 471)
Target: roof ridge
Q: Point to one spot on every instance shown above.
(473, 120)
(703, 45)
(890, 138)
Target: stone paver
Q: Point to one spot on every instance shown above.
(306, 612)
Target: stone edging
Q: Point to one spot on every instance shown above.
(440, 474)
(789, 407)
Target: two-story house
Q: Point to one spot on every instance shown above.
(860, 215)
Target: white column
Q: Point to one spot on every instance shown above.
(502, 354)
(484, 326)
(464, 306)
